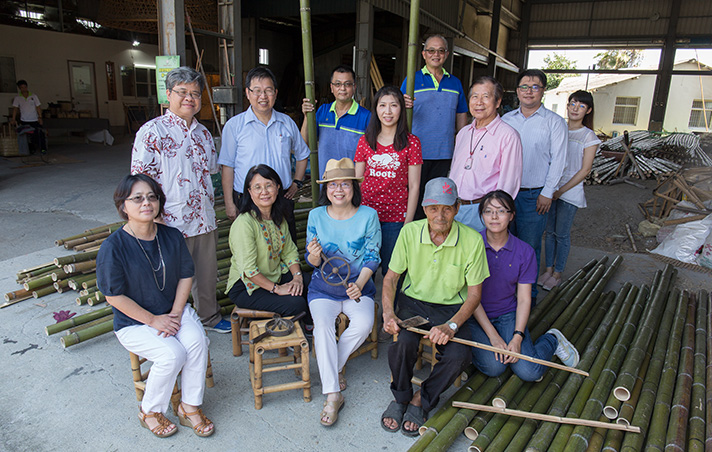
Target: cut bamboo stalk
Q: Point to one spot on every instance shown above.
(109, 227)
(80, 266)
(479, 422)
(89, 333)
(43, 291)
(485, 437)
(305, 18)
(86, 239)
(73, 258)
(16, 297)
(627, 408)
(89, 245)
(78, 320)
(39, 282)
(546, 417)
(696, 432)
(413, 28)
(96, 298)
(441, 417)
(90, 324)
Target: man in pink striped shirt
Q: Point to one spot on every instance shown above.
(488, 152)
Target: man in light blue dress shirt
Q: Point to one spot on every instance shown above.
(261, 134)
(544, 137)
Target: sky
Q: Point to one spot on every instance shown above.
(585, 57)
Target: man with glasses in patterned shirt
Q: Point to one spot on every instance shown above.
(261, 134)
(439, 112)
(341, 123)
(544, 137)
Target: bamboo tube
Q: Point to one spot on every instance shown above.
(73, 258)
(305, 17)
(43, 291)
(61, 274)
(84, 326)
(484, 438)
(80, 266)
(61, 285)
(479, 422)
(437, 421)
(89, 333)
(89, 284)
(661, 410)
(41, 281)
(696, 434)
(96, 298)
(707, 296)
(627, 408)
(89, 245)
(595, 443)
(547, 418)
(109, 227)
(86, 239)
(413, 27)
(35, 271)
(75, 282)
(613, 440)
(83, 299)
(593, 359)
(78, 320)
(649, 325)
(676, 438)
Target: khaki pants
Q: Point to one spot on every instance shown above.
(202, 250)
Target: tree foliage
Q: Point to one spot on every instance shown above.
(617, 59)
(557, 61)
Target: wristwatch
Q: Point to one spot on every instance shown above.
(453, 326)
(300, 183)
(519, 333)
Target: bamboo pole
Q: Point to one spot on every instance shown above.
(708, 297)
(696, 435)
(625, 414)
(485, 437)
(84, 326)
(89, 333)
(73, 258)
(437, 421)
(109, 227)
(305, 16)
(77, 320)
(202, 71)
(86, 239)
(413, 27)
(90, 245)
(546, 417)
(36, 283)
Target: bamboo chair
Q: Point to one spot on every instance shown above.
(240, 325)
(426, 354)
(371, 343)
(139, 379)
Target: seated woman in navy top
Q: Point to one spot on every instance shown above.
(146, 272)
(506, 300)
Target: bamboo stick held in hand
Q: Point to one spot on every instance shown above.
(412, 55)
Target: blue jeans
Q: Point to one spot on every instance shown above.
(530, 226)
(389, 235)
(558, 234)
(486, 363)
(470, 216)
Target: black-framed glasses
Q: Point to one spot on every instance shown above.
(269, 92)
(338, 85)
(182, 93)
(533, 88)
(432, 52)
(138, 199)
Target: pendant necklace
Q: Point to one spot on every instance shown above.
(160, 254)
(468, 162)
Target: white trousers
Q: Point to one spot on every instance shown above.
(187, 351)
(331, 356)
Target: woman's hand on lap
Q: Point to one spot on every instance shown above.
(166, 324)
(498, 342)
(515, 345)
(353, 291)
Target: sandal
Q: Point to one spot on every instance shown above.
(394, 411)
(415, 415)
(198, 428)
(332, 416)
(342, 380)
(162, 430)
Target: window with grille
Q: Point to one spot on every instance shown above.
(699, 112)
(626, 110)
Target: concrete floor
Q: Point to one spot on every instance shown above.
(82, 398)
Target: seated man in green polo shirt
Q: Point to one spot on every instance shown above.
(446, 264)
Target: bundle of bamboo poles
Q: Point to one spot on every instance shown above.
(607, 170)
(647, 352)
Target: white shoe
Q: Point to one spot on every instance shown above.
(565, 350)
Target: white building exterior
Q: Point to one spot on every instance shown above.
(623, 101)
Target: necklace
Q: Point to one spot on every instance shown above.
(468, 162)
(160, 254)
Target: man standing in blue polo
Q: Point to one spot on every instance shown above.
(339, 124)
(439, 112)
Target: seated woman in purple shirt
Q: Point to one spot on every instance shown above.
(506, 300)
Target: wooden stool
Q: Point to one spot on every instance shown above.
(371, 343)
(139, 379)
(426, 354)
(259, 365)
(240, 323)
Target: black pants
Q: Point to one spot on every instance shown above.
(452, 357)
(263, 300)
(430, 170)
(38, 140)
(291, 222)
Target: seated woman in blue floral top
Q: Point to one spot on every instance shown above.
(341, 228)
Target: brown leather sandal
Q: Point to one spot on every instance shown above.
(197, 428)
(162, 429)
(333, 415)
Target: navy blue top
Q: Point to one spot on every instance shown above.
(122, 269)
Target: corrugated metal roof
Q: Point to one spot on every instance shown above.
(445, 10)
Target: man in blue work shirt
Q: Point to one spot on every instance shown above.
(339, 124)
(261, 134)
(439, 112)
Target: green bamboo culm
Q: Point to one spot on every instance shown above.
(413, 26)
(89, 333)
(305, 15)
(625, 414)
(696, 434)
(708, 297)
(77, 320)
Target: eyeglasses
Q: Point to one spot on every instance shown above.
(499, 212)
(525, 88)
(266, 187)
(138, 199)
(577, 105)
(269, 92)
(432, 52)
(184, 93)
(338, 85)
(344, 186)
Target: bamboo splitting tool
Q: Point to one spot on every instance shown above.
(508, 353)
(546, 417)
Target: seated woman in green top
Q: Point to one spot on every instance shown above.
(264, 271)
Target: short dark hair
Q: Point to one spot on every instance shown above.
(355, 200)
(21, 82)
(482, 79)
(498, 195)
(342, 68)
(184, 75)
(280, 206)
(533, 73)
(125, 187)
(259, 73)
(400, 141)
(584, 97)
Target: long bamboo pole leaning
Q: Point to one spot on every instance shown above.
(546, 417)
(696, 433)
(202, 71)
(413, 27)
(507, 352)
(305, 16)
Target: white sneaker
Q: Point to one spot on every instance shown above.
(565, 350)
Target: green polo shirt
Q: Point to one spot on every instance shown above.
(439, 274)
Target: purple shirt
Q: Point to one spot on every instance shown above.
(493, 156)
(513, 264)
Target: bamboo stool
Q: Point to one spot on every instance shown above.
(259, 365)
(240, 323)
(426, 354)
(139, 379)
(371, 343)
